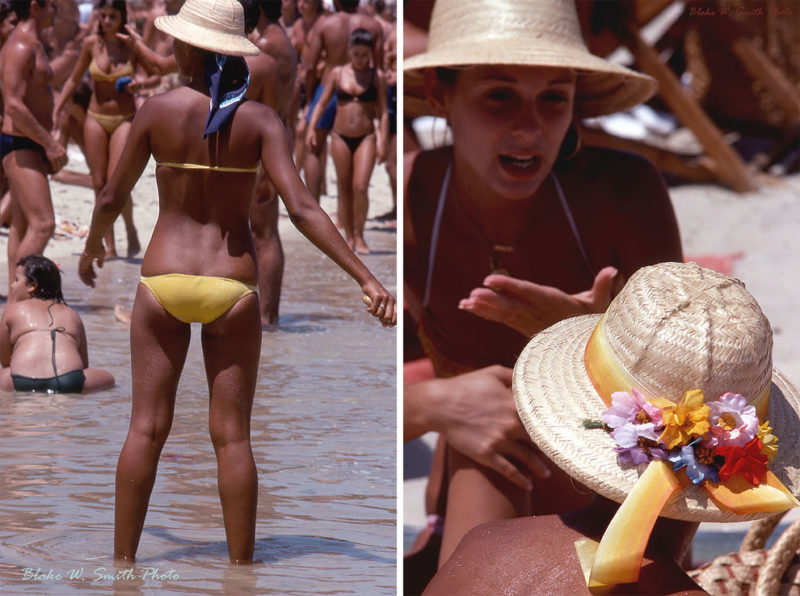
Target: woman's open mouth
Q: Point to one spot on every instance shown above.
(520, 166)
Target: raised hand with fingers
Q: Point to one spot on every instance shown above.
(529, 307)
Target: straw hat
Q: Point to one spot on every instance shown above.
(673, 328)
(213, 25)
(524, 33)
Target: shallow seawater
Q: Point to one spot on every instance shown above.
(323, 434)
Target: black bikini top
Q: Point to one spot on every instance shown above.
(371, 93)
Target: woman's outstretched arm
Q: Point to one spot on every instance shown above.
(312, 221)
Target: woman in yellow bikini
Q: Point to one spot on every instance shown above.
(112, 66)
(200, 264)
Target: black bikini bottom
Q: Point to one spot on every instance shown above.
(71, 382)
(352, 142)
(9, 143)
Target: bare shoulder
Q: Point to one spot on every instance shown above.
(11, 313)
(622, 207)
(516, 556)
(256, 117)
(621, 176)
(536, 555)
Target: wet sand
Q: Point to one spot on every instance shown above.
(323, 439)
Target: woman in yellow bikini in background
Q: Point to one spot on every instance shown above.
(110, 62)
(360, 99)
(200, 264)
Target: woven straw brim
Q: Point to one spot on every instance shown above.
(205, 38)
(602, 87)
(554, 396)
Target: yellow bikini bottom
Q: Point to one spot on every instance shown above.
(196, 298)
(110, 122)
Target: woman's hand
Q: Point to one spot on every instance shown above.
(380, 303)
(130, 37)
(475, 413)
(311, 138)
(380, 153)
(85, 269)
(530, 308)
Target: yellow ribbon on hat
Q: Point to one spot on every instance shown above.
(617, 558)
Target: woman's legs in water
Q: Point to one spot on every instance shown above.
(115, 147)
(363, 163)
(158, 351)
(231, 350)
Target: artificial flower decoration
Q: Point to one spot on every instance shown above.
(638, 444)
(768, 440)
(636, 424)
(631, 408)
(710, 441)
(732, 421)
(699, 465)
(685, 420)
(747, 461)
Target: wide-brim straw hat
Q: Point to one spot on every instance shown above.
(674, 327)
(213, 25)
(522, 33)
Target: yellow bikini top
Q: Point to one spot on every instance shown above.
(198, 166)
(99, 75)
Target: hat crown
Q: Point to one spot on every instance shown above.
(457, 23)
(677, 327)
(224, 16)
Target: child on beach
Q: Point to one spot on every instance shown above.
(42, 340)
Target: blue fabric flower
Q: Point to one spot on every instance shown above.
(685, 457)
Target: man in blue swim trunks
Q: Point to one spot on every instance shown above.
(331, 34)
(28, 151)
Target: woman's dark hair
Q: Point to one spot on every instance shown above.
(45, 274)
(446, 75)
(360, 37)
(23, 7)
(271, 9)
(254, 8)
(251, 14)
(119, 5)
(5, 9)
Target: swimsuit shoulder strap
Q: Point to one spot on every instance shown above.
(572, 225)
(437, 223)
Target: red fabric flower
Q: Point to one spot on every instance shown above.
(747, 461)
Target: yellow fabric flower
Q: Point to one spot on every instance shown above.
(685, 420)
(769, 441)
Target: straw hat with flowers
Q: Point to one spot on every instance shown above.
(213, 25)
(512, 32)
(667, 403)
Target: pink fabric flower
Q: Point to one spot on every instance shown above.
(636, 423)
(630, 408)
(732, 422)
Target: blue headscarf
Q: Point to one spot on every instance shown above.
(227, 78)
